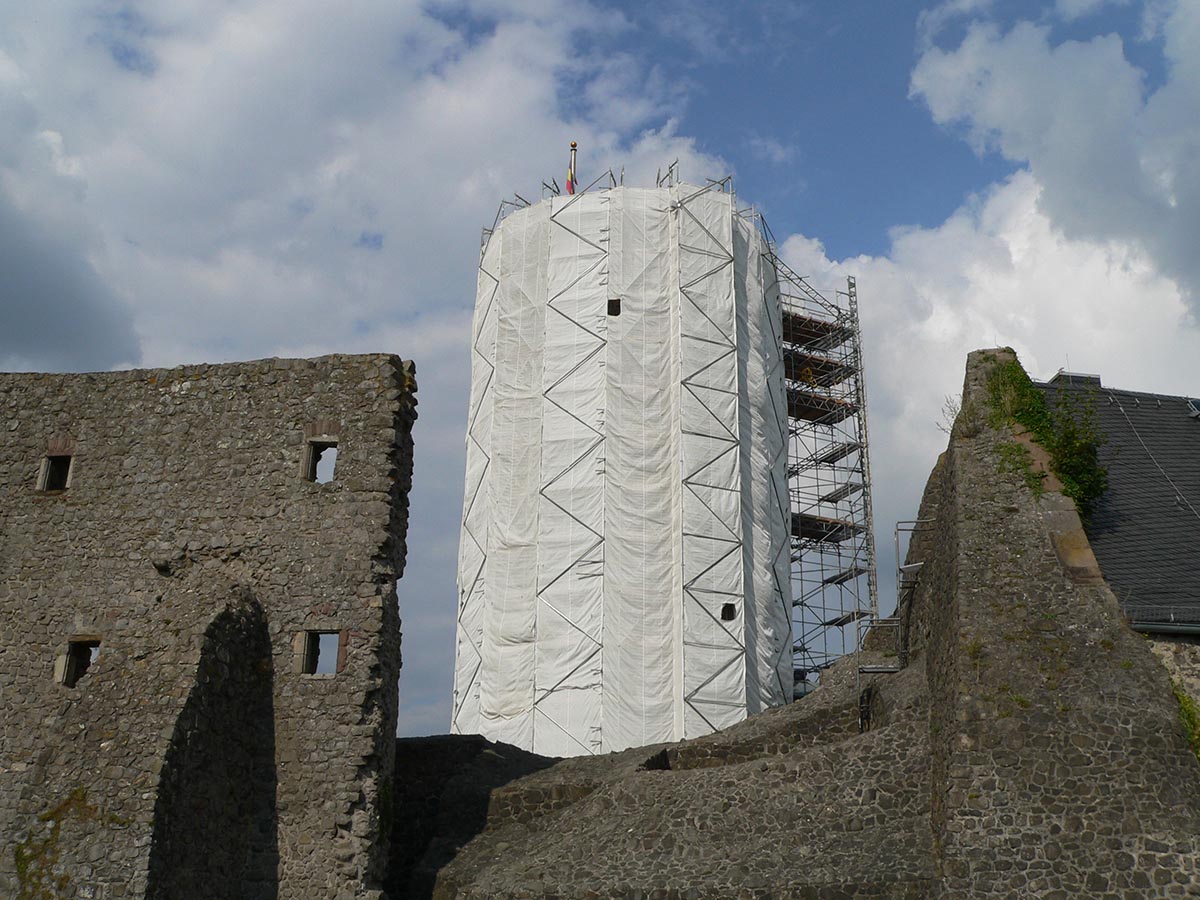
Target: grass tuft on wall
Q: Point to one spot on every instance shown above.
(1189, 717)
(1067, 431)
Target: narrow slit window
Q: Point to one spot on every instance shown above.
(728, 612)
(320, 461)
(321, 652)
(80, 657)
(56, 473)
(614, 306)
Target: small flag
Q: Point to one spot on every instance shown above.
(571, 180)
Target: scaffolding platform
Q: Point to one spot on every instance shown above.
(808, 527)
(804, 330)
(846, 619)
(836, 453)
(810, 369)
(837, 495)
(847, 575)
(880, 670)
(811, 406)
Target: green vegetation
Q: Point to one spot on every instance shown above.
(975, 653)
(1189, 717)
(36, 858)
(1067, 432)
(1015, 460)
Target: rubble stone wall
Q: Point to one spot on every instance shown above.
(1059, 764)
(1181, 655)
(1032, 747)
(190, 544)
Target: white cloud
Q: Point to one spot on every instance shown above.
(1155, 14)
(214, 181)
(210, 180)
(935, 19)
(69, 317)
(996, 273)
(56, 310)
(1070, 10)
(770, 150)
(1115, 161)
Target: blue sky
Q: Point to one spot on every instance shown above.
(809, 105)
(191, 180)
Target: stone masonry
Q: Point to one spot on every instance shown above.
(184, 545)
(1059, 762)
(1181, 656)
(1031, 748)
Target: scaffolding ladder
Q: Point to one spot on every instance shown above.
(908, 576)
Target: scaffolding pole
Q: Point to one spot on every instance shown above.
(833, 547)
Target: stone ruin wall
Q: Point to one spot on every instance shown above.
(194, 751)
(1181, 656)
(1031, 748)
(1059, 764)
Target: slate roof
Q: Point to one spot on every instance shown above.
(1145, 530)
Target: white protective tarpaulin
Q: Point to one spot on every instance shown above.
(623, 566)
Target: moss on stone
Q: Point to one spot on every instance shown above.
(1189, 717)
(1067, 432)
(1015, 460)
(36, 858)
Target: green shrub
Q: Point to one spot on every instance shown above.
(1067, 432)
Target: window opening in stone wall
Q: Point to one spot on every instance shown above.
(320, 461)
(614, 306)
(56, 473)
(321, 653)
(728, 612)
(81, 655)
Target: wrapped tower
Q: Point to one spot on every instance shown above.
(624, 559)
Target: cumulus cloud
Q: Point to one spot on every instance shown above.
(249, 166)
(267, 178)
(1116, 161)
(208, 180)
(998, 272)
(55, 311)
(1076, 9)
(934, 19)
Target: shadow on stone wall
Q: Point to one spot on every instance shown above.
(443, 786)
(214, 817)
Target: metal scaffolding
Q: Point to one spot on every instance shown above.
(829, 474)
